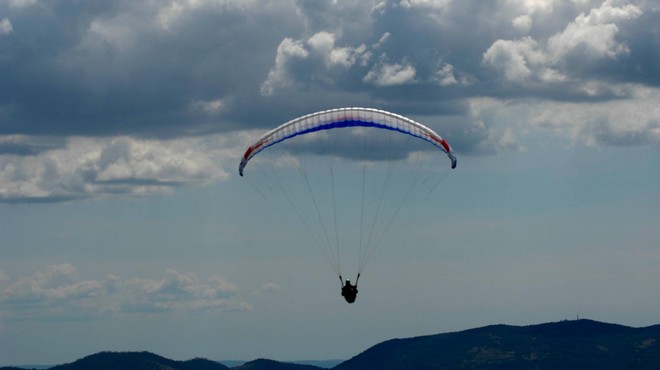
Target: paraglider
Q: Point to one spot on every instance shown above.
(346, 117)
(372, 203)
(349, 291)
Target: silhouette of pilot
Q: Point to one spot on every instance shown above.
(349, 291)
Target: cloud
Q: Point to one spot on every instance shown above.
(287, 51)
(210, 107)
(87, 167)
(522, 23)
(270, 288)
(520, 60)
(492, 126)
(593, 35)
(5, 27)
(29, 145)
(314, 60)
(139, 98)
(133, 68)
(496, 125)
(445, 76)
(386, 74)
(59, 292)
(589, 38)
(626, 122)
(21, 3)
(56, 292)
(180, 292)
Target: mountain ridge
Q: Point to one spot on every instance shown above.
(559, 345)
(556, 345)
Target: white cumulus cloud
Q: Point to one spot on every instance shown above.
(593, 34)
(520, 60)
(386, 74)
(91, 167)
(623, 122)
(184, 291)
(318, 57)
(589, 37)
(5, 27)
(59, 292)
(58, 282)
(279, 75)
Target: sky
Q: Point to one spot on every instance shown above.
(124, 224)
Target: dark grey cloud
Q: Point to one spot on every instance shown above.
(429, 57)
(642, 64)
(22, 145)
(148, 74)
(132, 67)
(175, 68)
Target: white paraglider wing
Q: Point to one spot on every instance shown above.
(346, 117)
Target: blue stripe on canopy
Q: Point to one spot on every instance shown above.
(337, 118)
(344, 123)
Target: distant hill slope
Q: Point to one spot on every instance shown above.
(580, 344)
(137, 361)
(262, 364)
(150, 361)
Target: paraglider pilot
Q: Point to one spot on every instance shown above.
(348, 290)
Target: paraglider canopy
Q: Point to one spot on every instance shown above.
(346, 117)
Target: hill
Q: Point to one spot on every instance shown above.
(263, 364)
(150, 361)
(581, 344)
(137, 361)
